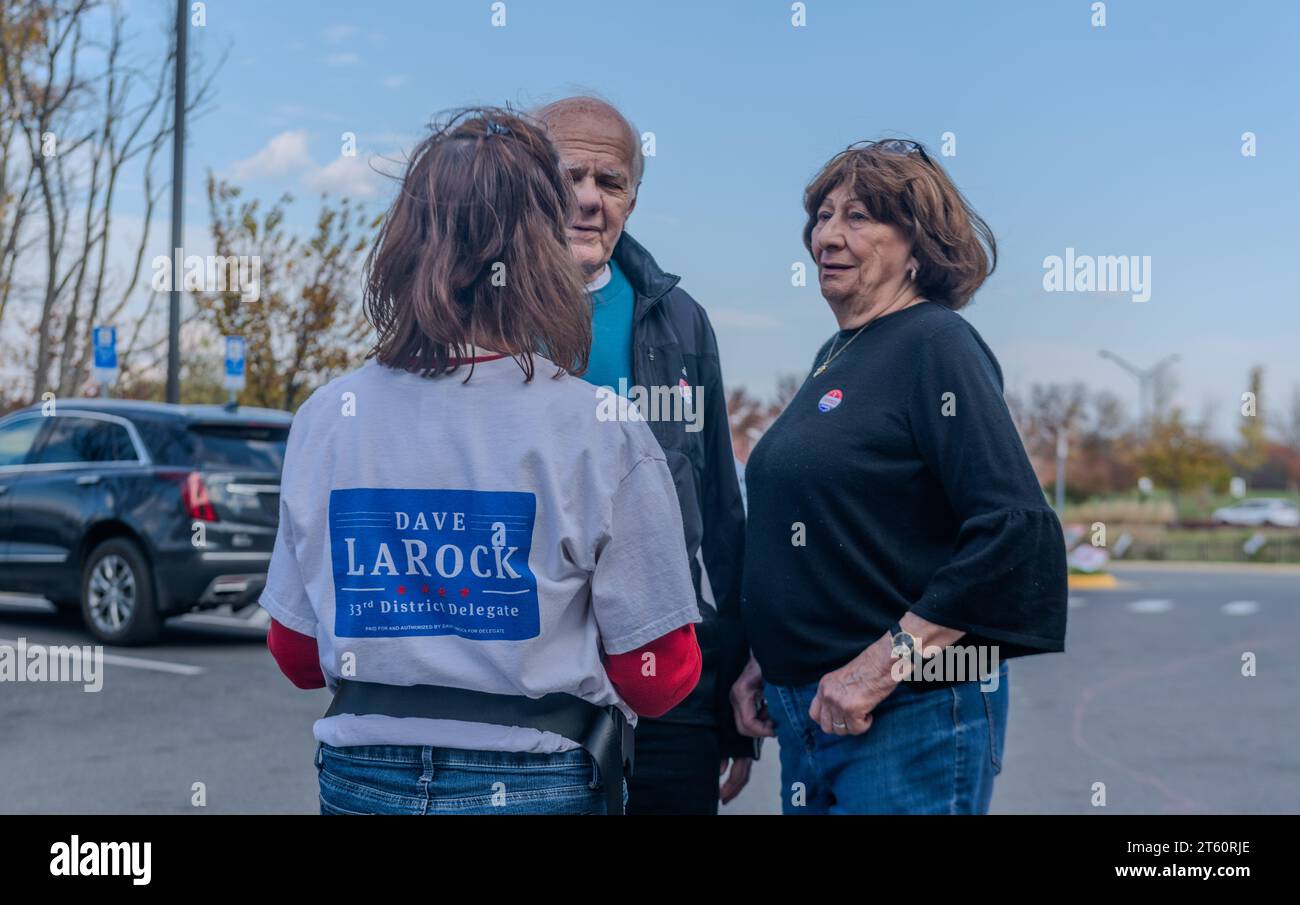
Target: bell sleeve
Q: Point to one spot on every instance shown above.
(1006, 580)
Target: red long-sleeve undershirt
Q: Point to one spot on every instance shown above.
(651, 685)
(296, 655)
(673, 662)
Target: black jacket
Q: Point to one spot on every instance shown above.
(673, 341)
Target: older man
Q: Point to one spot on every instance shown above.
(649, 335)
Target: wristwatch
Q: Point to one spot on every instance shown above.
(904, 643)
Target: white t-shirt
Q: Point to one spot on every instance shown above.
(492, 535)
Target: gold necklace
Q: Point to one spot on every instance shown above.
(831, 355)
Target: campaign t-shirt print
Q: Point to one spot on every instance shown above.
(433, 562)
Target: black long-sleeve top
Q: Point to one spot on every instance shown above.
(895, 481)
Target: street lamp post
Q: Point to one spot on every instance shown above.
(1146, 389)
(178, 206)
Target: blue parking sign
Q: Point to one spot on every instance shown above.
(234, 363)
(104, 340)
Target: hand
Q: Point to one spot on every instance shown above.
(846, 697)
(747, 703)
(737, 780)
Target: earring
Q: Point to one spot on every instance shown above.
(912, 274)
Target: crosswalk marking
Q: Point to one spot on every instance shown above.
(1240, 608)
(1148, 607)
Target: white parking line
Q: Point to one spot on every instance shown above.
(76, 650)
(223, 621)
(257, 619)
(1150, 607)
(1240, 608)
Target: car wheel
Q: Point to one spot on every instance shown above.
(117, 600)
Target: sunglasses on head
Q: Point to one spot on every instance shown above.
(902, 147)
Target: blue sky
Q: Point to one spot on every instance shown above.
(1120, 140)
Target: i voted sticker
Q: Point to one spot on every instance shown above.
(830, 400)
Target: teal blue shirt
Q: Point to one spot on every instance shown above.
(611, 332)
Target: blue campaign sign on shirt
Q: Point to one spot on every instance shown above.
(433, 562)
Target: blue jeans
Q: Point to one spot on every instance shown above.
(926, 752)
(421, 779)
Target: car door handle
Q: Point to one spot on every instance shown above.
(88, 479)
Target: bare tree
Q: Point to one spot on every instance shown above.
(80, 132)
(1291, 431)
(20, 27)
(1051, 408)
(750, 417)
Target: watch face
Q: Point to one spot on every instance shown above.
(902, 649)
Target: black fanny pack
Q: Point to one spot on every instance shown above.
(602, 732)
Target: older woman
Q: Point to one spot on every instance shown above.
(892, 509)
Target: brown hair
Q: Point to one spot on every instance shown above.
(474, 249)
(899, 183)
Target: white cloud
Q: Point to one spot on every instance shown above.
(350, 176)
(735, 317)
(347, 58)
(285, 153)
(393, 82)
(337, 34)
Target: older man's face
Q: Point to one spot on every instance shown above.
(595, 151)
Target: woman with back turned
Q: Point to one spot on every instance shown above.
(893, 512)
(456, 523)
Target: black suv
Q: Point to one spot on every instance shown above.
(135, 511)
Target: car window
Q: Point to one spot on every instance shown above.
(242, 446)
(245, 447)
(72, 439)
(16, 440)
(165, 439)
